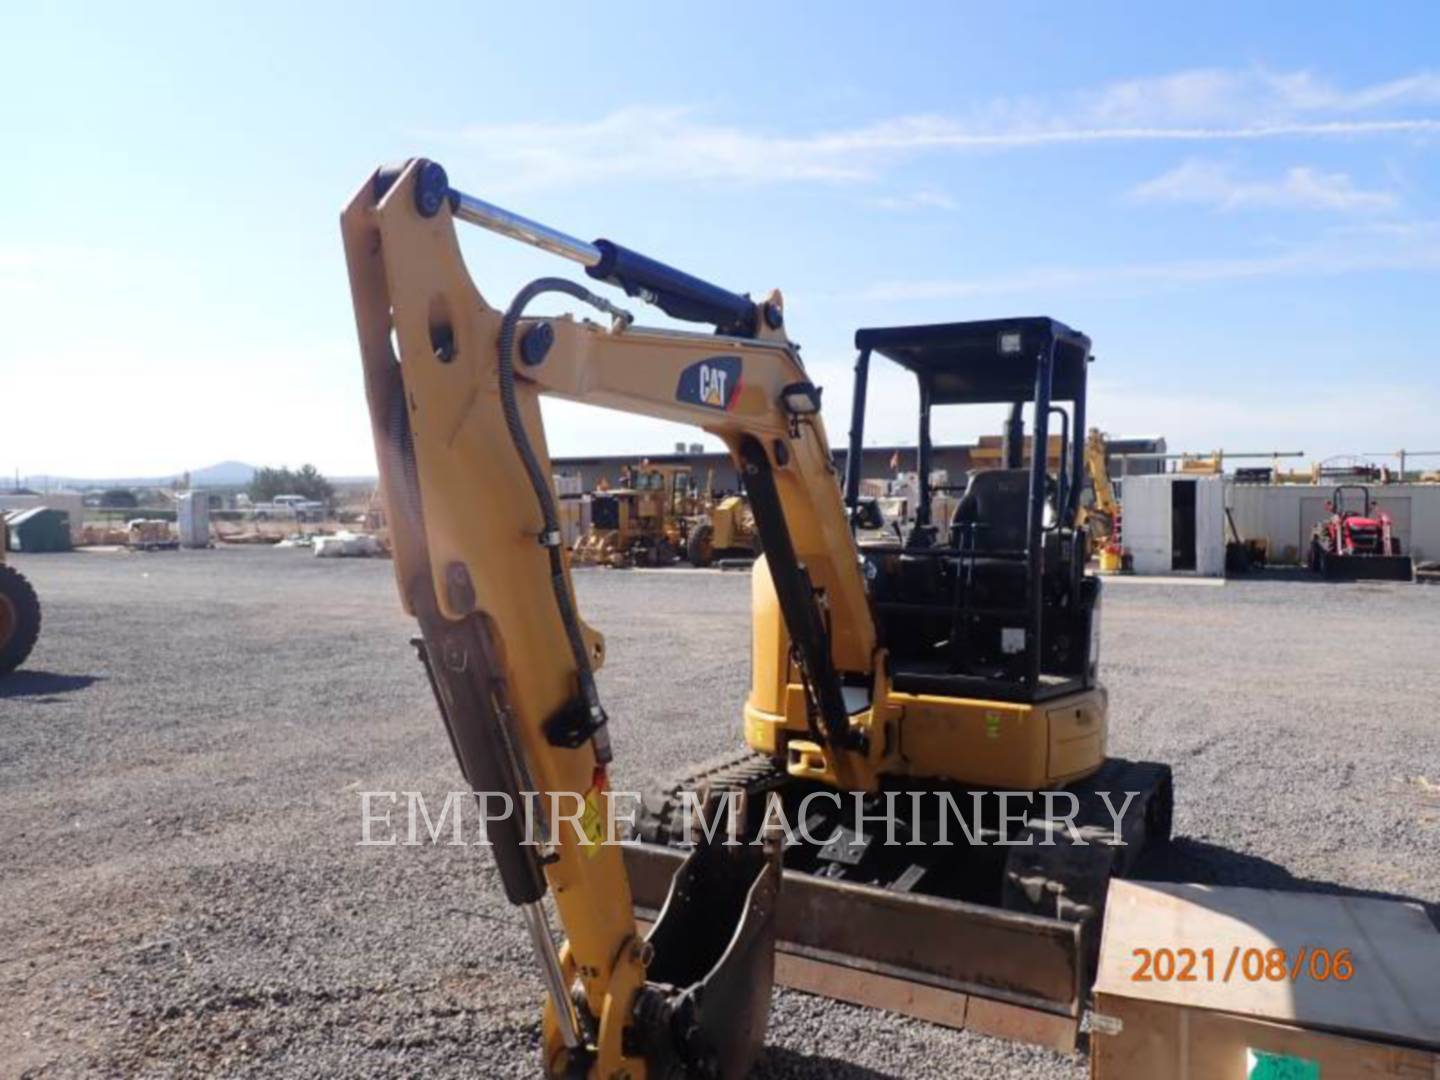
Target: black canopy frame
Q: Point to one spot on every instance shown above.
(1031, 359)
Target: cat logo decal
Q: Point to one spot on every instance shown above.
(713, 382)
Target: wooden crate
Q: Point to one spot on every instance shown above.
(1382, 1021)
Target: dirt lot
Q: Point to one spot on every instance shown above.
(181, 764)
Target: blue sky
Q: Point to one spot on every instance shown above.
(1236, 201)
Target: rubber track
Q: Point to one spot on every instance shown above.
(745, 771)
(1059, 878)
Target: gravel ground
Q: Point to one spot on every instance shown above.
(181, 760)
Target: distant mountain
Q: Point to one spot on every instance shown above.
(225, 474)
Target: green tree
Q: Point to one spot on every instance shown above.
(311, 483)
(268, 482)
(307, 481)
(119, 499)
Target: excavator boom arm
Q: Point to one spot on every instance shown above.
(453, 386)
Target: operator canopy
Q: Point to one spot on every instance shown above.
(990, 360)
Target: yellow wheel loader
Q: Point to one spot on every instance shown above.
(726, 531)
(19, 613)
(645, 521)
(960, 663)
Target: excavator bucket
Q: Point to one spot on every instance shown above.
(709, 982)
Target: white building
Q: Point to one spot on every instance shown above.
(1174, 523)
(1284, 514)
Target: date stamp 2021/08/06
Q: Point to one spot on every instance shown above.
(1240, 964)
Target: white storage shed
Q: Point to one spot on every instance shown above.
(1174, 523)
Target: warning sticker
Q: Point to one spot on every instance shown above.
(592, 820)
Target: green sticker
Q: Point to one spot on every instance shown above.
(1266, 1066)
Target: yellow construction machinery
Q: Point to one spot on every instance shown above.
(726, 530)
(1201, 464)
(961, 661)
(644, 521)
(659, 513)
(1102, 517)
(19, 612)
(1295, 476)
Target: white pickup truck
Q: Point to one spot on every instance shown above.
(289, 507)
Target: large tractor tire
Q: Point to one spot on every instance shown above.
(700, 549)
(19, 619)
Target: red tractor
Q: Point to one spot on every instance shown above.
(1351, 544)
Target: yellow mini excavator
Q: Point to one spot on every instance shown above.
(960, 660)
(1101, 519)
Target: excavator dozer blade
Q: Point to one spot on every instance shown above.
(964, 965)
(707, 998)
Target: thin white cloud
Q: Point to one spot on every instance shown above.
(1401, 246)
(926, 199)
(1302, 90)
(666, 144)
(649, 143)
(1251, 97)
(1211, 183)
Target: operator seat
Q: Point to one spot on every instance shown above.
(993, 512)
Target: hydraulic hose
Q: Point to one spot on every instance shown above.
(402, 445)
(540, 483)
